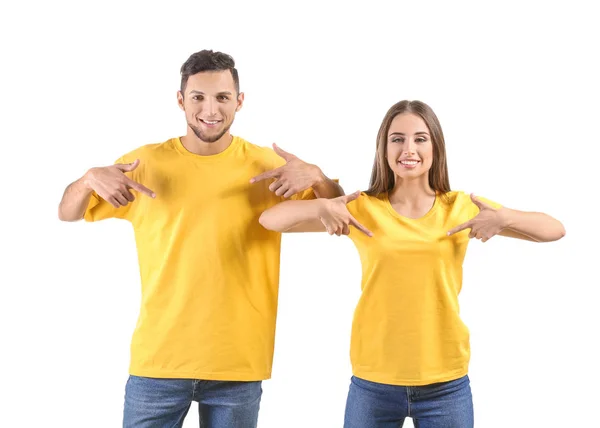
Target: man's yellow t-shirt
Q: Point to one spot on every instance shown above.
(209, 270)
(407, 329)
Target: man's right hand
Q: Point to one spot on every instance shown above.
(112, 185)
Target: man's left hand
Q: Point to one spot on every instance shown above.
(293, 177)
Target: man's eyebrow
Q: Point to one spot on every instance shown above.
(202, 93)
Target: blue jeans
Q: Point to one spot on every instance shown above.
(439, 405)
(162, 403)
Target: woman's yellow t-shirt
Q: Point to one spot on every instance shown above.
(407, 329)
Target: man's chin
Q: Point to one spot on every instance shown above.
(208, 138)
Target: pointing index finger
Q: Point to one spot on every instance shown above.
(360, 227)
(459, 228)
(141, 188)
(269, 174)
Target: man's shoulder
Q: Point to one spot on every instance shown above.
(148, 151)
(262, 153)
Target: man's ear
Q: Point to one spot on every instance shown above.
(180, 100)
(240, 101)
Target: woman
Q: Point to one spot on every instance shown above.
(409, 348)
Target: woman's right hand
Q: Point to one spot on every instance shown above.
(336, 218)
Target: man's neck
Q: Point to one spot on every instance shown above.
(195, 145)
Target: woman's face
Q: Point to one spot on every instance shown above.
(409, 147)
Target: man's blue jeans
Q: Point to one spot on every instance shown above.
(439, 405)
(158, 403)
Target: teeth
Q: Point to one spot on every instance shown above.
(211, 122)
(408, 162)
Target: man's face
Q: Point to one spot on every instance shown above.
(210, 103)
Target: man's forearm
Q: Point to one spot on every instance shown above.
(74, 201)
(327, 188)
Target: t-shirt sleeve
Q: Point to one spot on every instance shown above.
(99, 209)
(354, 206)
(474, 209)
(361, 210)
(304, 195)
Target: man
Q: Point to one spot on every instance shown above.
(209, 270)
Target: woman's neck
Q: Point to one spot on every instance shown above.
(411, 192)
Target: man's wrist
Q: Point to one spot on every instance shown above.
(85, 181)
(320, 179)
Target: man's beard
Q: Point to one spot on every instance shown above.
(202, 136)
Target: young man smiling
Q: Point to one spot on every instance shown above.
(209, 270)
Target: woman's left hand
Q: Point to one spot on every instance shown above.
(489, 222)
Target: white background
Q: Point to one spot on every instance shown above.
(515, 87)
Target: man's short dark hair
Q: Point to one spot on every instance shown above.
(208, 60)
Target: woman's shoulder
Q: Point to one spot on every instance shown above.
(367, 202)
(454, 196)
(458, 197)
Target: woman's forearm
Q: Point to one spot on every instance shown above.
(538, 226)
(293, 216)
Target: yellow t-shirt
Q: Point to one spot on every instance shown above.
(209, 270)
(407, 329)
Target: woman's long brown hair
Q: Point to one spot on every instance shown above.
(382, 177)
